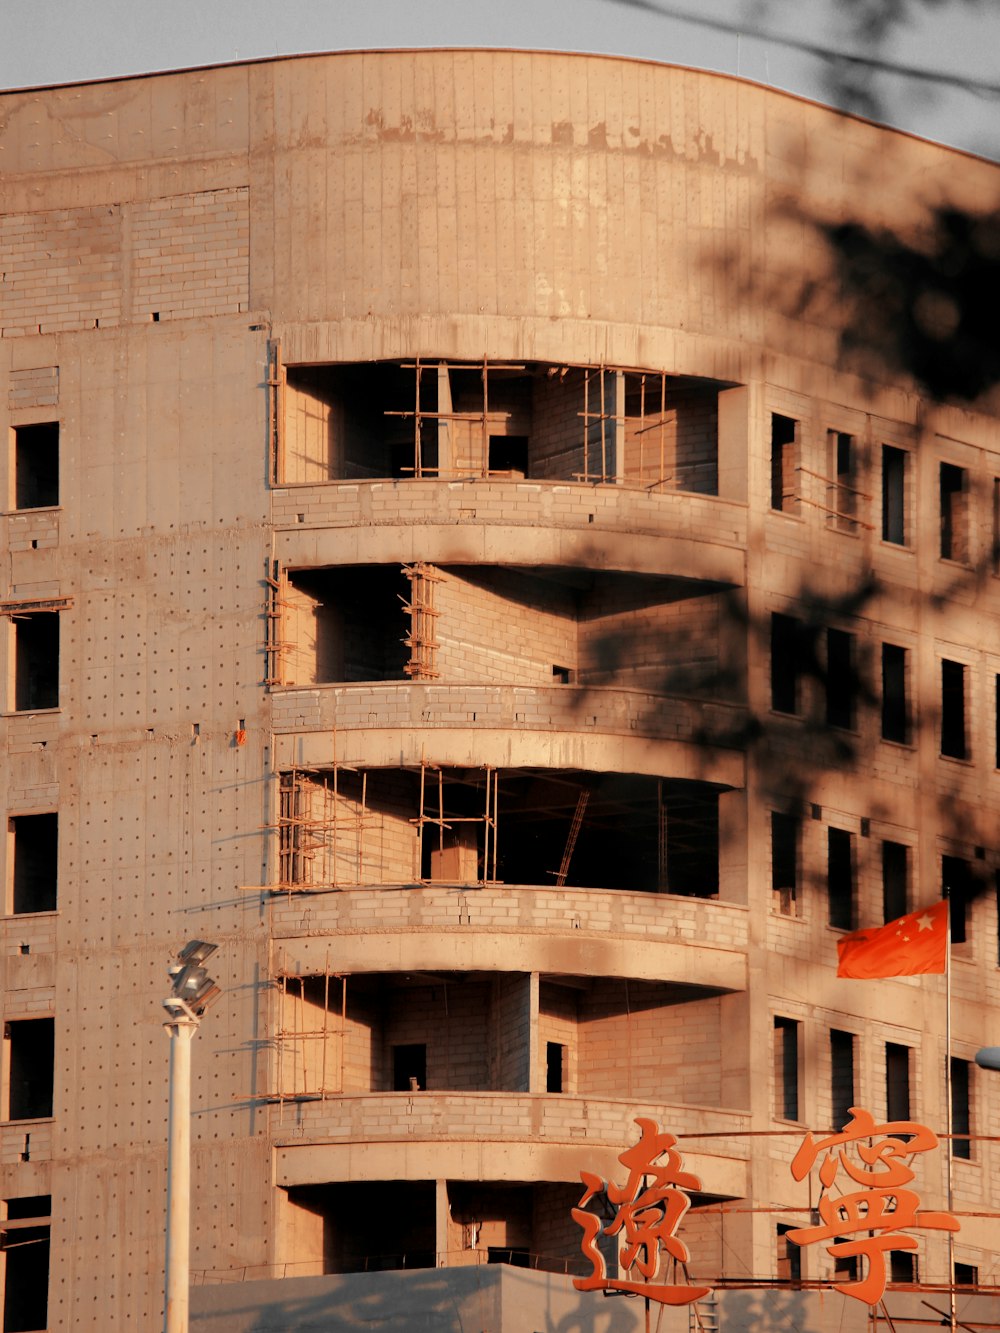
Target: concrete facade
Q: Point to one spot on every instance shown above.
(441, 569)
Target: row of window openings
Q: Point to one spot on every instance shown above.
(794, 649)
(843, 1083)
(843, 494)
(958, 880)
(902, 1264)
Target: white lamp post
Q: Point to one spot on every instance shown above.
(192, 990)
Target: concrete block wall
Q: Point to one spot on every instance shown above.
(500, 626)
(636, 1040)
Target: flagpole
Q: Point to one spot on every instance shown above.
(948, 1107)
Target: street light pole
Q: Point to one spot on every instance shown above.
(177, 1279)
(192, 991)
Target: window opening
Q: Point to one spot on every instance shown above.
(789, 1255)
(957, 887)
(30, 1046)
(954, 492)
(894, 527)
(36, 465)
(840, 878)
(409, 1067)
(786, 1068)
(555, 1066)
(784, 863)
(996, 721)
(995, 551)
(902, 1266)
(841, 679)
(897, 1081)
(966, 1275)
(784, 463)
(34, 843)
(895, 880)
(26, 1244)
(36, 660)
(845, 493)
(842, 1090)
(786, 662)
(954, 741)
(895, 715)
(961, 1109)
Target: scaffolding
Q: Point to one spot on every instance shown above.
(345, 826)
(422, 638)
(618, 446)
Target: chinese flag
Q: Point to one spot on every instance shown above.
(906, 947)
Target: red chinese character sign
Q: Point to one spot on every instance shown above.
(647, 1210)
(878, 1214)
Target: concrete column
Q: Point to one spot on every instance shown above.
(441, 1219)
(445, 434)
(536, 1066)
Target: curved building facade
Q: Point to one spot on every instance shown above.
(451, 567)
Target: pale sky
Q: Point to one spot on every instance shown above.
(62, 41)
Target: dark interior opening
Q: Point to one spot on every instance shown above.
(26, 1266)
(409, 1067)
(36, 465)
(893, 495)
(555, 1059)
(36, 664)
(36, 854)
(31, 1051)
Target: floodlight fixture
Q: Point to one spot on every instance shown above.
(192, 990)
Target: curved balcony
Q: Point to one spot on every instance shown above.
(594, 727)
(495, 1136)
(485, 521)
(605, 933)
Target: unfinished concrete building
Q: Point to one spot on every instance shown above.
(442, 569)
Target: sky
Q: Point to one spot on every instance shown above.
(953, 43)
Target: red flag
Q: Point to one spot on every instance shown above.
(906, 947)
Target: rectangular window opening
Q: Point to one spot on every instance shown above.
(30, 1051)
(961, 1109)
(36, 660)
(895, 880)
(36, 465)
(789, 1255)
(786, 1068)
(784, 863)
(840, 878)
(966, 1275)
(843, 469)
(555, 1066)
(409, 1068)
(954, 738)
(897, 1081)
(784, 463)
(902, 1266)
(840, 679)
(954, 490)
(894, 495)
(842, 1092)
(34, 841)
(957, 887)
(895, 713)
(508, 456)
(786, 648)
(26, 1264)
